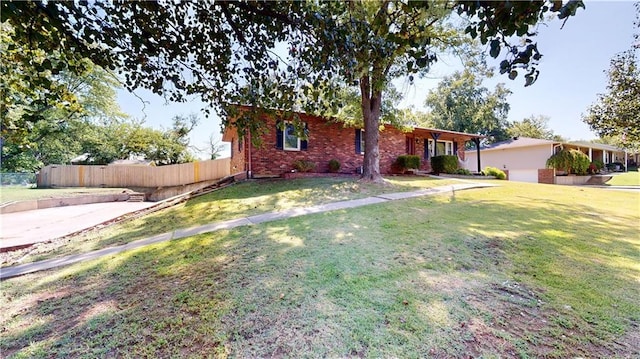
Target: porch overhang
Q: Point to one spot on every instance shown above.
(444, 135)
(454, 136)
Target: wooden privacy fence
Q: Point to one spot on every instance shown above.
(132, 176)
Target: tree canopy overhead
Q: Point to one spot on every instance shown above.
(224, 51)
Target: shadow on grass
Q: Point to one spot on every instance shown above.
(368, 282)
(241, 200)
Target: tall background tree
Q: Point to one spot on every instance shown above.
(460, 103)
(52, 113)
(124, 139)
(172, 146)
(616, 113)
(217, 49)
(47, 123)
(534, 126)
(214, 147)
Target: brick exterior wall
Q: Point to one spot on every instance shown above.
(326, 141)
(546, 175)
(238, 151)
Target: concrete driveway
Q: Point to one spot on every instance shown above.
(41, 225)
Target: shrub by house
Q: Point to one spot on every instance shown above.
(444, 164)
(406, 162)
(569, 161)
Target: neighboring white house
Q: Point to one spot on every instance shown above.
(523, 156)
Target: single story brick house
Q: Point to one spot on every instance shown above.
(327, 140)
(525, 158)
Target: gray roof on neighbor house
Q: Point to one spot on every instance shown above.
(515, 143)
(518, 142)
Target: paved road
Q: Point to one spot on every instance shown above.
(42, 225)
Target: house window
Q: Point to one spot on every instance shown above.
(441, 148)
(359, 141)
(291, 140)
(287, 138)
(448, 145)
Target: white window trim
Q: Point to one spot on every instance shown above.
(448, 147)
(362, 142)
(284, 139)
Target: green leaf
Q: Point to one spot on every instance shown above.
(513, 74)
(495, 48)
(529, 80)
(504, 66)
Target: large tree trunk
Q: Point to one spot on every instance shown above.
(371, 110)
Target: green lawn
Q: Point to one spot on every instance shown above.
(631, 178)
(10, 194)
(241, 200)
(520, 270)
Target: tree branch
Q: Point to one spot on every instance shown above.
(233, 25)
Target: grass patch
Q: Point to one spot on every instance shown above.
(241, 200)
(521, 270)
(11, 194)
(631, 178)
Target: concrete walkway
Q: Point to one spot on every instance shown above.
(41, 225)
(9, 272)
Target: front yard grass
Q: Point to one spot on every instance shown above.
(241, 200)
(631, 178)
(521, 270)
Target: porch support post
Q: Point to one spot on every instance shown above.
(625, 161)
(435, 137)
(476, 141)
(590, 155)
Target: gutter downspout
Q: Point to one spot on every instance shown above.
(248, 142)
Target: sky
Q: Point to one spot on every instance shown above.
(572, 74)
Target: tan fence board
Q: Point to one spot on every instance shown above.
(132, 176)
